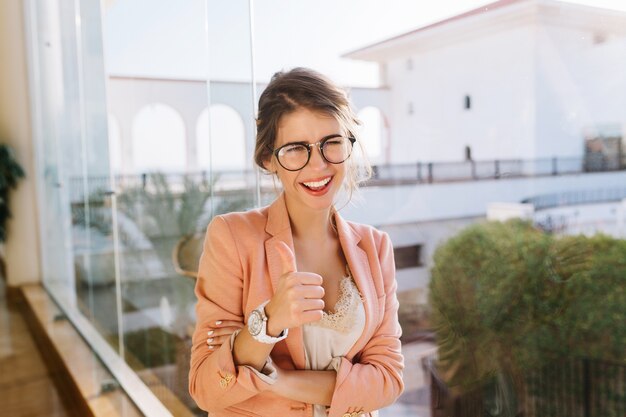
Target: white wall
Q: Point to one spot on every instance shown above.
(495, 70)
(21, 252)
(402, 204)
(535, 91)
(429, 214)
(580, 86)
(430, 235)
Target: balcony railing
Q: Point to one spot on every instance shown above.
(383, 175)
(436, 172)
(569, 387)
(573, 198)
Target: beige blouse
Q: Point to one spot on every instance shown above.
(327, 340)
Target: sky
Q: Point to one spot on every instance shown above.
(199, 39)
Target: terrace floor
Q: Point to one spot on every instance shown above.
(27, 386)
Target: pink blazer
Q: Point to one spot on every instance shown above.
(240, 268)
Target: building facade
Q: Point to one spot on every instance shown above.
(515, 79)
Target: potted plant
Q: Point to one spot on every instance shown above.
(10, 173)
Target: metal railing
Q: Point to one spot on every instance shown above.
(566, 388)
(572, 198)
(223, 183)
(470, 170)
(383, 175)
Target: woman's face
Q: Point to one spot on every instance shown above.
(308, 188)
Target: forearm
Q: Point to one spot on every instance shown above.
(248, 351)
(311, 387)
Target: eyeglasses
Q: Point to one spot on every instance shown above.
(294, 156)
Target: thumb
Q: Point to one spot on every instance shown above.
(288, 259)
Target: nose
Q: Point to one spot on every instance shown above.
(317, 160)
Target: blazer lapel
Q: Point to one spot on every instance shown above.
(279, 227)
(362, 275)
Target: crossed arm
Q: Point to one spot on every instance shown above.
(312, 387)
(380, 362)
(213, 357)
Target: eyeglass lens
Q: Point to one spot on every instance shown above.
(334, 150)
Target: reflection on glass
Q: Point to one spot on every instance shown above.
(515, 111)
(178, 167)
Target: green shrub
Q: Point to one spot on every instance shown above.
(507, 298)
(10, 173)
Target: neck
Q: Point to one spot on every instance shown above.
(309, 224)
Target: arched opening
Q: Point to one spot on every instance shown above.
(221, 140)
(158, 140)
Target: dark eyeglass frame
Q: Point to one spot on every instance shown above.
(320, 146)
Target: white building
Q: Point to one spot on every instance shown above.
(516, 79)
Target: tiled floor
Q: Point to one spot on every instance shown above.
(26, 387)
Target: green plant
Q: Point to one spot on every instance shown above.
(152, 347)
(10, 173)
(161, 212)
(507, 299)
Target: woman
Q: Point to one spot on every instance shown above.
(297, 308)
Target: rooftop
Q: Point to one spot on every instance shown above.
(499, 15)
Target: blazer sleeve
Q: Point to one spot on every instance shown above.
(380, 363)
(215, 382)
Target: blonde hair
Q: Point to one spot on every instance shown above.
(306, 88)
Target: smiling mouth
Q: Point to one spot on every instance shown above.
(317, 185)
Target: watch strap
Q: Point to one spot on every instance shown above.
(263, 337)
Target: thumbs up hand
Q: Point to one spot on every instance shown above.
(298, 298)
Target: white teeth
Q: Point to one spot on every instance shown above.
(317, 184)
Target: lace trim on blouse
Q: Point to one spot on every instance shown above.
(344, 317)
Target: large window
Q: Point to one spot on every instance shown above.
(145, 126)
(132, 170)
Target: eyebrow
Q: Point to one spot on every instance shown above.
(303, 142)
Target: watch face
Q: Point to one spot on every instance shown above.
(255, 323)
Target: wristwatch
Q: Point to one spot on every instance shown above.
(257, 326)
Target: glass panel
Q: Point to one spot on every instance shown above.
(183, 139)
(71, 148)
(130, 183)
(511, 111)
(72, 145)
(94, 243)
(55, 126)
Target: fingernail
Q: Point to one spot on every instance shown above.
(209, 340)
(210, 333)
(218, 322)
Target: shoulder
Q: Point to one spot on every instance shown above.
(369, 233)
(251, 218)
(239, 224)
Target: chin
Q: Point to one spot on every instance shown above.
(316, 202)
